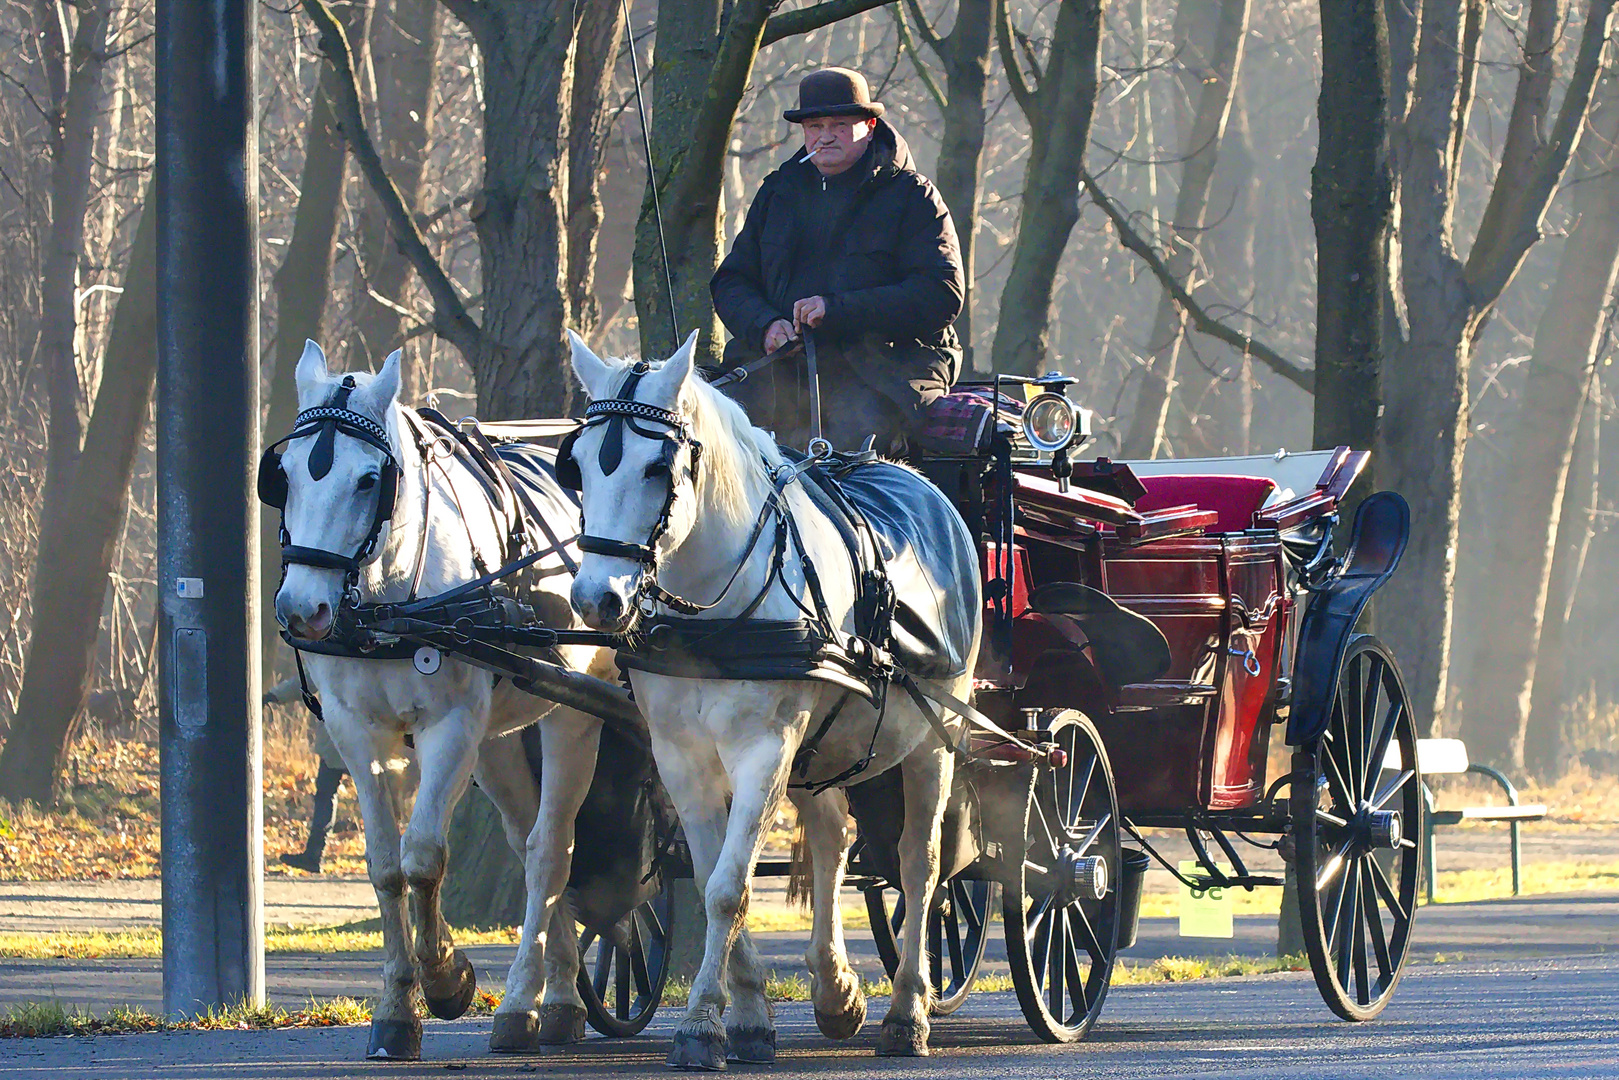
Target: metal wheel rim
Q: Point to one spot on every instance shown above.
(1357, 905)
(1063, 960)
(622, 980)
(957, 934)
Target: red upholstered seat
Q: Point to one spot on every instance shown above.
(1234, 498)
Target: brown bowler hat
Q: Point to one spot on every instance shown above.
(834, 92)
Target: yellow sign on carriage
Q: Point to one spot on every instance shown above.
(1206, 912)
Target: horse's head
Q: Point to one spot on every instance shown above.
(637, 473)
(336, 486)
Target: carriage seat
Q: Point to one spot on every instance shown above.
(1234, 498)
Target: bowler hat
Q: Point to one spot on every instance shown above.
(834, 92)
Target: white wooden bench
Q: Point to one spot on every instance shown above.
(1440, 757)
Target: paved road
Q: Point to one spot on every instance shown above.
(1498, 930)
(1525, 1020)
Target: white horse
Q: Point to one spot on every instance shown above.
(443, 530)
(660, 516)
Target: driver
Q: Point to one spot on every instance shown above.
(845, 239)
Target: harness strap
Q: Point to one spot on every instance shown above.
(311, 702)
(528, 509)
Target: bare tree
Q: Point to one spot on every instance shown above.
(1211, 65)
(1540, 447)
(964, 53)
(71, 586)
(1058, 97)
(1449, 299)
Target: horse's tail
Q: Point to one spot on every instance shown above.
(800, 871)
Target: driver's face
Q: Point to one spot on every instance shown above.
(838, 141)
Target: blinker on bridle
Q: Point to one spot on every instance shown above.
(614, 415)
(326, 422)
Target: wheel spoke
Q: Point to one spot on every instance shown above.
(1334, 820)
(1393, 787)
(1343, 932)
(640, 968)
(958, 956)
(622, 983)
(1074, 805)
(1391, 723)
(1333, 865)
(1362, 987)
(604, 968)
(1096, 831)
(1057, 963)
(1374, 923)
(1336, 905)
(1352, 690)
(1385, 890)
(1045, 827)
(1346, 797)
(1087, 936)
(1078, 993)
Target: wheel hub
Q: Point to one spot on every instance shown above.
(1382, 828)
(1083, 877)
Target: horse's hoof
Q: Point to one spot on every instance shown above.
(752, 1045)
(561, 1025)
(515, 1033)
(463, 983)
(902, 1038)
(698, 1050)
(846, 1024)
(395, 1040)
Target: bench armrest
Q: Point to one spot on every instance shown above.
(1499, 778)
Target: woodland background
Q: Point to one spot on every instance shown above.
(1242, 226)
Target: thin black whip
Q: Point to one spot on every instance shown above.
(651, 174)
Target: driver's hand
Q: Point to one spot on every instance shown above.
(778, 334)
(808, 312)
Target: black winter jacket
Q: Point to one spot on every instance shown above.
(884, 255)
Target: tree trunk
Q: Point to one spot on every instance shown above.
(1351, 204)
(302, 286)
(600, 30)
(1059, 110)
(404, 42)
(1200, 150)
(71, 587)
(1539, 448)
(77, 90)
(520, 361)
(1543, 736)
(483, 883)
(964, 52)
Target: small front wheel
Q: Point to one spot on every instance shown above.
(1061, 905)
(955, 937)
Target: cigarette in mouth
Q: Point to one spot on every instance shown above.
(810, 154)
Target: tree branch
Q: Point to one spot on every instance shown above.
(916, 60)
(450, 318)
(923, 30)
(1014, 75)
(1293, 372)
(802, 21)
(1511, 223)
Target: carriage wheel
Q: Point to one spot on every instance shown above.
(955, 934)
(622, 975)
(1356, 826)
(1061, 907)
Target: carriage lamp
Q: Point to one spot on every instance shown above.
(1050, 423)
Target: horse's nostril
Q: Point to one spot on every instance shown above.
(611, 608)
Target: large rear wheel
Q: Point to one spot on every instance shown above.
(956, 936)
(622, 973)
(1061, 906)
(1356, 822)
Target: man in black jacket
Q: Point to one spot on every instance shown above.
(845, 240)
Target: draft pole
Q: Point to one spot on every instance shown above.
(208, 516)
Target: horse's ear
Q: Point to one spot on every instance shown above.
(375, 396)
(311, 376)
(666, 382)
(591, 369)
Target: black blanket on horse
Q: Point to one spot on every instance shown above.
(924, 550)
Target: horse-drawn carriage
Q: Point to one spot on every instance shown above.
(1145, 627)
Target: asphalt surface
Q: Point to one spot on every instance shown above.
(1524, 1020)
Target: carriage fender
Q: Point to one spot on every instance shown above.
(1382, 528)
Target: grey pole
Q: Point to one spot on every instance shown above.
(208, 523)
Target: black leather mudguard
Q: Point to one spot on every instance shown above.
(1382, 527)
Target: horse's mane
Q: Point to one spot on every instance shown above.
(733, 449)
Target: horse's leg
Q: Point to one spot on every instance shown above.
(758, 775)
(448, 751)
(840, 1004)
(926, 773)
(395, 1030)
(568, 742)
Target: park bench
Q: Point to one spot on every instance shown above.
(1441, 757)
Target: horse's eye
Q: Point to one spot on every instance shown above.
(658, 470)
(368, 481)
